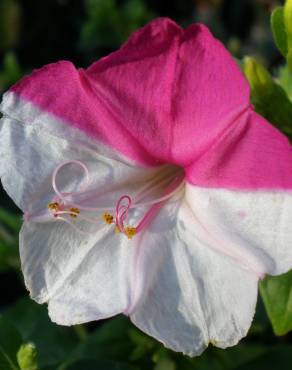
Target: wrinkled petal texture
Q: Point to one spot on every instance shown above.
(186, 294)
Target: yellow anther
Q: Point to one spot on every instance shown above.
(108, 218)
(117, 230)
(75, 212)
(130, 231)
(53, 206)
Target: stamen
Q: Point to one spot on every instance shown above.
(130, 231)
(74, 212)
(64, 204)
(54, 206)
(108, 218)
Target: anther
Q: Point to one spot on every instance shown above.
(130, 231)
(108, 218)
(75, 212)
(54, 206)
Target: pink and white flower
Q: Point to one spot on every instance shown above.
(158, 139)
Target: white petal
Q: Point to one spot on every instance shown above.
(186, 294)
(254, 226)
(83, 278)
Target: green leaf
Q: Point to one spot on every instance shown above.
(9, 228)
(143, 344)
(288, 25)
(110, 340)
(289, 58)
(285, 80)
(55, 343)
(276, 292)
(10, 220)
(9, 23)
(279, 31)
(288, 21)
(269, 99)
(27, 357)
(165, 363)
(10, 341)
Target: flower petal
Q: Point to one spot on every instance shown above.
(186, 294)
(83, 278)
(253, 227)
(165, 90)
(250, 155)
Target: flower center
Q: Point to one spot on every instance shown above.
(63, 207)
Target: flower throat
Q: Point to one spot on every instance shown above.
(64, 208)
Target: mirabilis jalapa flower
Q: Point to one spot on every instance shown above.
(149, 187)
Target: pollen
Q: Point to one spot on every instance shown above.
(53, 206)
(130, 231)
(108, 218)
(75, 212)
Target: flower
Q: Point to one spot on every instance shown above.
(149, 187)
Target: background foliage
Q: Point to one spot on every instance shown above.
(33, 33)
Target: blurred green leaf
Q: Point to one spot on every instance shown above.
(10, 220)
(9, 23)
(278, 358)
(9, 258)
(27, 357)
(165, 364)
(288, 20)
(288, 25)
(9, 228)
(269, 99)
(109, 23)
(143, 344)
(10, 341)
(109, 341)
(285, 80)
(278, 29)
(276, 292)
(289, 58)
(55, 343)
(11, 71)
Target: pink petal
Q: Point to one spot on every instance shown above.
(250, 155)
(163, 97)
